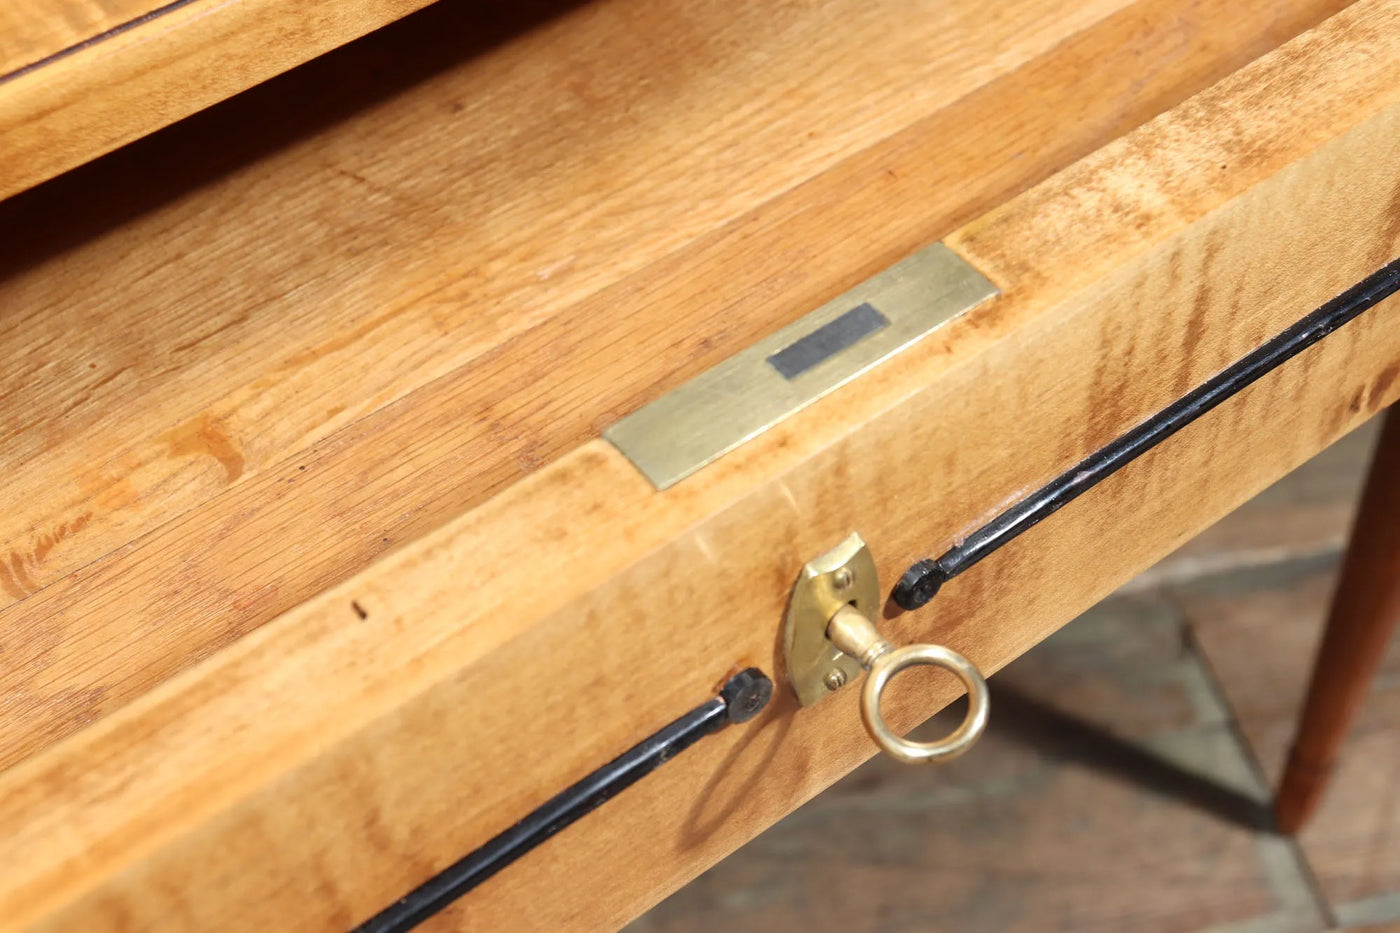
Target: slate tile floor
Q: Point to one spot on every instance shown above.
(1123, 782)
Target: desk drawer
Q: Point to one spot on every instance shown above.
(321, 765)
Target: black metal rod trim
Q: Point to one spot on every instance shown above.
(923, 580)
(743, 697)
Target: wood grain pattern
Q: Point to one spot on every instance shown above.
(407, 241)
(31, 32)
(122, 84)
(231, 541)
(350, 757)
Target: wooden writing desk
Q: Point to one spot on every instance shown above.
(317, 573)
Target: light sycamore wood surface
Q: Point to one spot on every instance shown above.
(39, 29)
(360, 328)
(525, 642)
(74, 85)
(353, 266)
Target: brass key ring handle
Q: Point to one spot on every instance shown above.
(857, 636)
(829, 637)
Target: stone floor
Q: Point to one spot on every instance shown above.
(1123, 782)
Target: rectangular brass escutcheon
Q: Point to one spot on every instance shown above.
(785, 372)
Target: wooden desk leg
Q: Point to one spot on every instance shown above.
(1364, 613)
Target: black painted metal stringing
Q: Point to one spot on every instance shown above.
(743, 697)
(922, 581)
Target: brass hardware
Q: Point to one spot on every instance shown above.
(814, 664)
(828, 637)
(790, 369)
(856, 635)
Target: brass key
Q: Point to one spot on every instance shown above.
(830, 636)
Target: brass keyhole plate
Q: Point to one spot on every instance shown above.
(845, 574)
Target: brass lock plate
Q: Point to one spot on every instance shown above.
(845, 574)
(747, 394)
